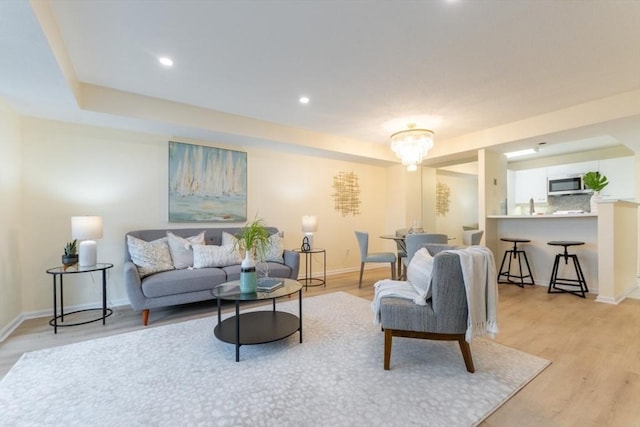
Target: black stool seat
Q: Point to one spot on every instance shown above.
(519, 254)
(564, 243)
(579, 282)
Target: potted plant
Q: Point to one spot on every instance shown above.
(70, 253)
(253, 238)
(596, 182)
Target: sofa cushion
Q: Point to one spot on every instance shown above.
(150, 257)
(419, 272)
(274, 249)
(205, 256)
(181, 249)
(192, 280)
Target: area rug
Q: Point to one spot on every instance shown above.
(181, 374)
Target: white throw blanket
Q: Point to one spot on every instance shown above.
(479, 274)
(393, 288)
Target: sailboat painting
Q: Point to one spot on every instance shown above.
(206, 184)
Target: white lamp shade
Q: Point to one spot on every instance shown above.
(309, 223)
(86, 227)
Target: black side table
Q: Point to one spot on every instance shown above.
(308, 280)
(76, 269)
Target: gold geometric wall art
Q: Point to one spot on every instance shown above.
(442, 199)
(346, 194)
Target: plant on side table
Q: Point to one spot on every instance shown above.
(70, 254)
(596, 182)
(253, 238)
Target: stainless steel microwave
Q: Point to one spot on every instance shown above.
(566, 185)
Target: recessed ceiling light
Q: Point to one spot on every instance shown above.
(304, 100)
(166, 61)
(521, 153)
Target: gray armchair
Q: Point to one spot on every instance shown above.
(416, 241)
(443, 318)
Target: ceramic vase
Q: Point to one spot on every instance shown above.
(595, 198)
(248, 277)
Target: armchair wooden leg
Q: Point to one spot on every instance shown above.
(466, 355)
(387, 348)
(145, 317)
(361, 271)
(393, 270)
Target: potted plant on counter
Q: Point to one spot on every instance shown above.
(596, 182)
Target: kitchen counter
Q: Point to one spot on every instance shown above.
(541, 229)
(544, 216)
(609, 257)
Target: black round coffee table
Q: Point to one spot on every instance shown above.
(257, 327)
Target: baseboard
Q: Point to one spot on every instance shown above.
(15, 323)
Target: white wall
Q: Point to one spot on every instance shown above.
(10, 213)
(82, 170)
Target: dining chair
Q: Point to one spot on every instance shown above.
(472, 237)
(402, 249)
(366, 256)
(416, 241)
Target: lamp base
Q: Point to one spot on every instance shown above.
(88, 253)
(307, 242)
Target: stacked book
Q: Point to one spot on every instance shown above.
(266, 284)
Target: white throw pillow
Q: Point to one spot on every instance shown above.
(228, 239)
(180, 249)
(274, 250)
(215, 256)
(149, 257)
(419, 272)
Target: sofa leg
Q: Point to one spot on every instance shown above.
(145, 317)
(466, 355)
(387, 348)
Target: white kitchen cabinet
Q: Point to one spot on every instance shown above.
(622, 177)
(531, 184)
(572, 169)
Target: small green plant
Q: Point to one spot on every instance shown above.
(254, 236)
(595, 181)
(71, 248)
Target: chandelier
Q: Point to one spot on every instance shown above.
(412, 145)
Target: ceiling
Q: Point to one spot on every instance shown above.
(369, 67)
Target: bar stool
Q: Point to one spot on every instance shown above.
(519, 254)
(580, 282)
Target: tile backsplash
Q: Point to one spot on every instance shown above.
(568, 202)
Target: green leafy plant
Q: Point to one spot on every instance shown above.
(71, 248)
(254, 236)
(595, 181)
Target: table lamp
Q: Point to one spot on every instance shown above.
(309, 225)
(86, 229)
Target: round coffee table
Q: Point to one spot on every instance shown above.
(257, 327)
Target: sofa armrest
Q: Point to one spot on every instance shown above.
(133, 284)
(292, 260)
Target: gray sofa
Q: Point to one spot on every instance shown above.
(189, 285)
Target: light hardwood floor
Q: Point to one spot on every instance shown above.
(594, 378)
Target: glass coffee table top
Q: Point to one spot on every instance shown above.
(230, 291)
